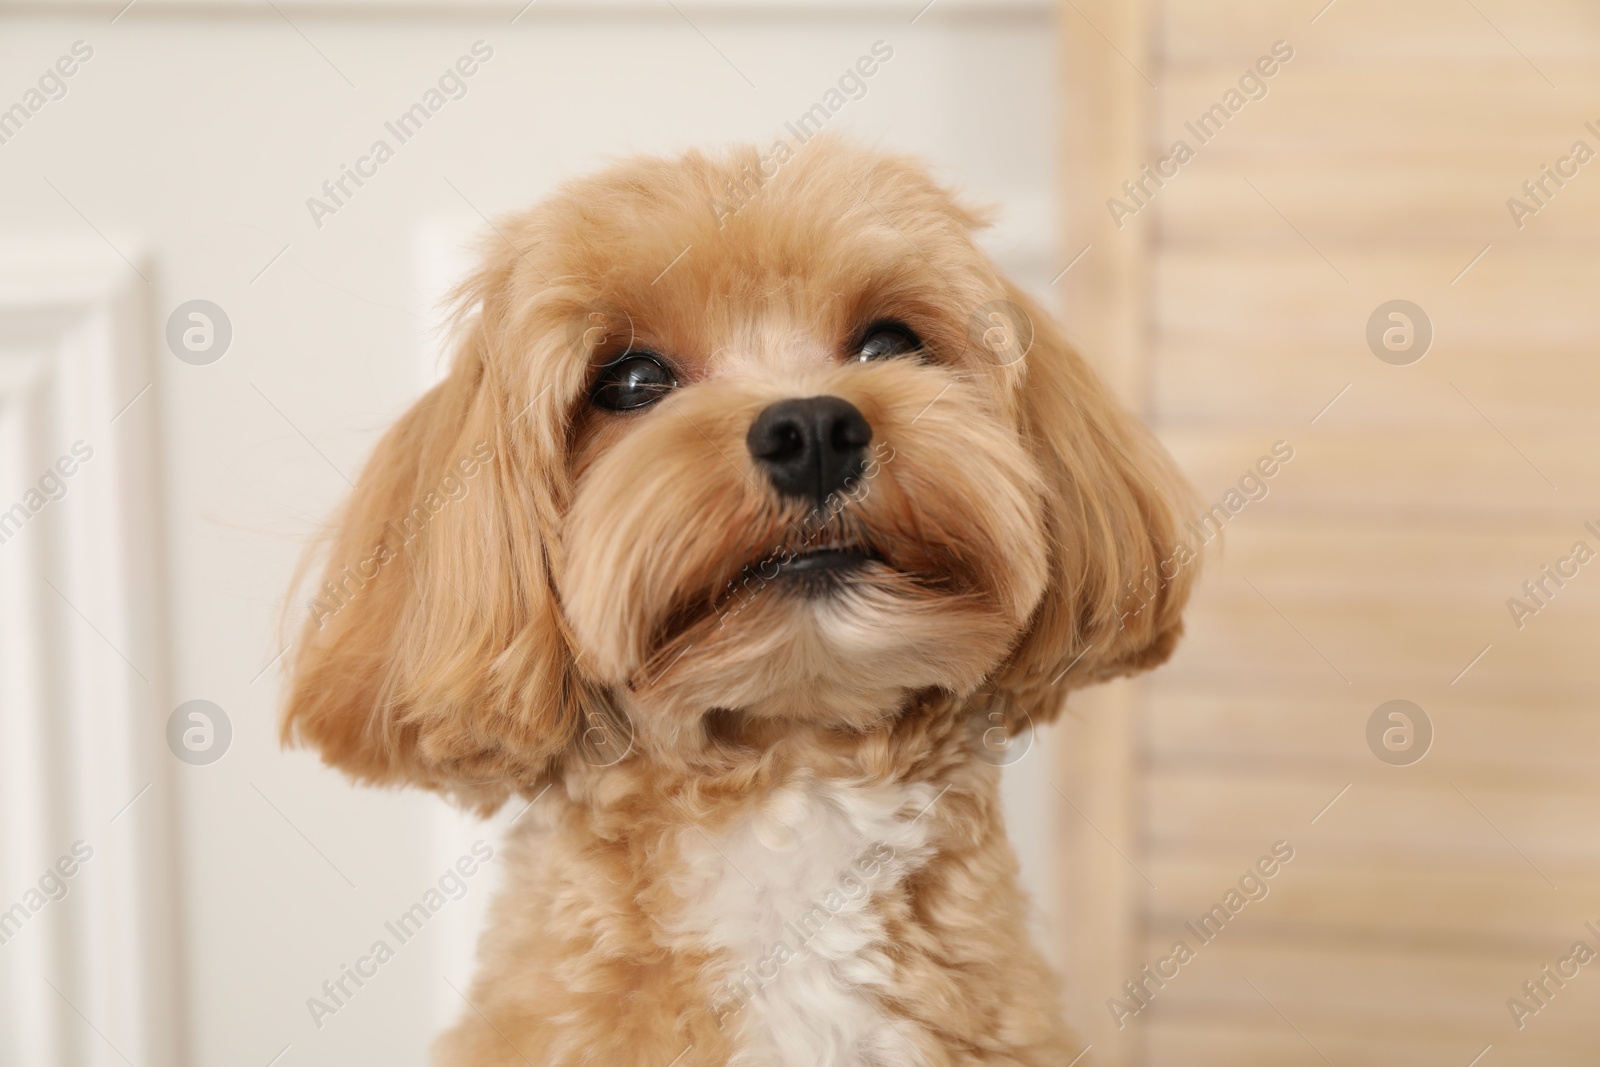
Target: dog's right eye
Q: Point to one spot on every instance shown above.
(633, 380)
(887, 340)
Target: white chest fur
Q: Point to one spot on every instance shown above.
(786, 895)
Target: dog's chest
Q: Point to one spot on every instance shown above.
(790, 898)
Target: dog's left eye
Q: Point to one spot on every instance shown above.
(885, 340)
(633, 380)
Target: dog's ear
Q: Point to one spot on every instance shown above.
(434, 652)
(1119, 573)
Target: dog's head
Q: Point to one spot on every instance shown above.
(764, 434)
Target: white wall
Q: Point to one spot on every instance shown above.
(196, 132)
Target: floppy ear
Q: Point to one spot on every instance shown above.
(434, 651)
(1119, 573)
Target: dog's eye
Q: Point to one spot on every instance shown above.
(885, 340)
(633, 380)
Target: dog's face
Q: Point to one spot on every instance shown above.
(798, 487)
(781, 444)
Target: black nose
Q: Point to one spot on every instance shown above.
(811, 447)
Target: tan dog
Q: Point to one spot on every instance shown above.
(737, 530)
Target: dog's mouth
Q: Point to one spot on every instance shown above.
(826, 560)
(821, 563)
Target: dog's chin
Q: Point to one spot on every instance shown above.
(834, 635)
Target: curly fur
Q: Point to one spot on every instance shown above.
(580, 614)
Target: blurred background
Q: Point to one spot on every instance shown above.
(1340, 255)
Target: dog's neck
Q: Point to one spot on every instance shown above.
(906, 741)
(780, 858)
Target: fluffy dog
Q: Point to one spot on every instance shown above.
(726, 542)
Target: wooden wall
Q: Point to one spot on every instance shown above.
(1232, 308)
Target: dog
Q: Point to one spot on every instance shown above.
(731, 539)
